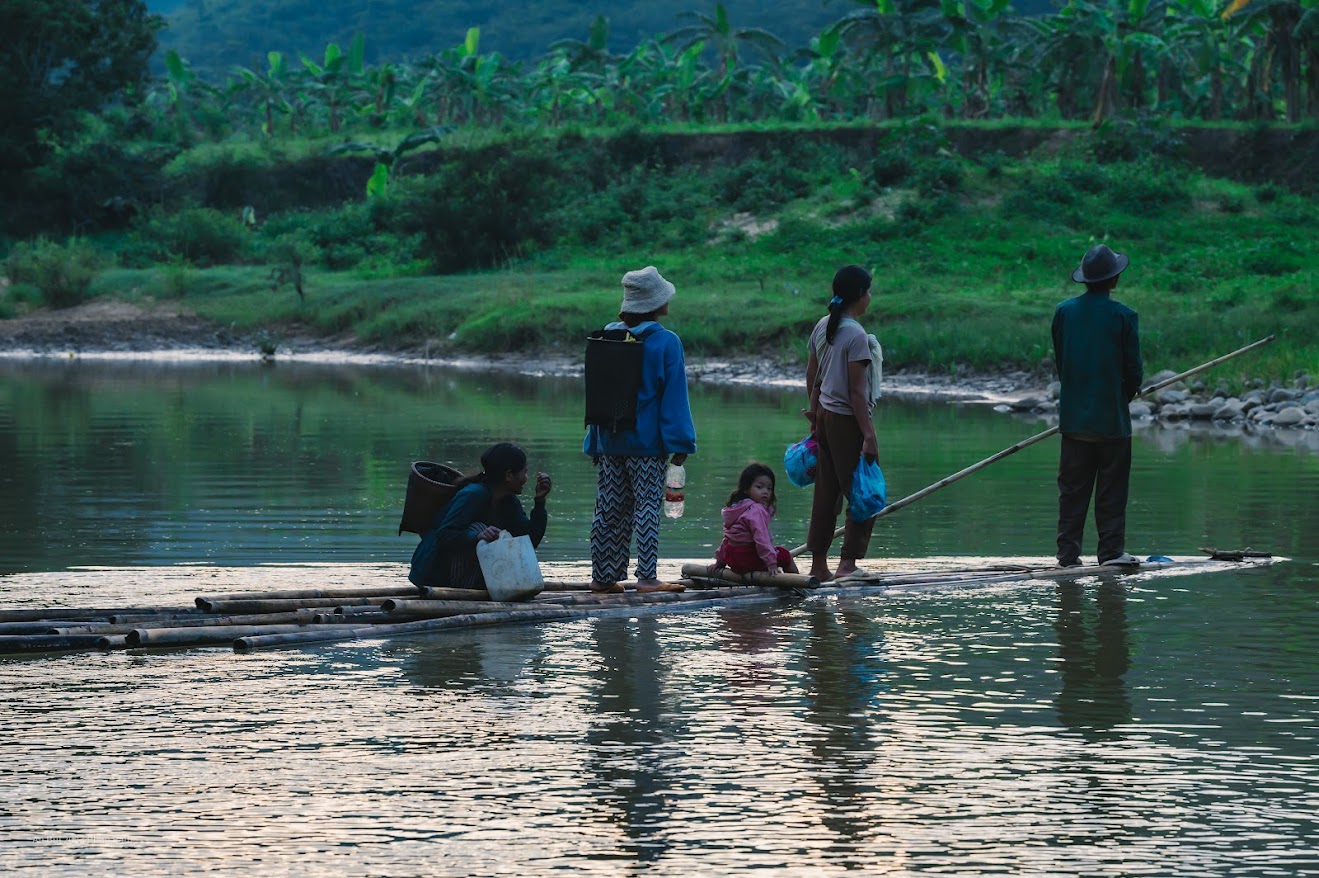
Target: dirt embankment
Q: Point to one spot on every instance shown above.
(116, 327)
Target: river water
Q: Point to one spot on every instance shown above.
(1140, 725)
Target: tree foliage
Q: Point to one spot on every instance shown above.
(59, 57)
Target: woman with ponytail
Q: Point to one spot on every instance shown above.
(485, 504)
(842, 385)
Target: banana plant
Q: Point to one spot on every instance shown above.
(389, 160)
(334, 79)
(268, 89)
(718, 32)
(1287, 31)
(903, 40)
(591, 55)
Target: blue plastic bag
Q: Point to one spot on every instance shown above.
(869, 494)
(800, 460)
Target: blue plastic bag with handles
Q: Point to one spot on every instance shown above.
(869, 493)
(800, 461)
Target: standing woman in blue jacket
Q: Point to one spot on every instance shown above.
(630, 484)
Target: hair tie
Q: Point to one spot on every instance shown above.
(836, 300)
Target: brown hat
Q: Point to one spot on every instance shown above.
(1100, 264)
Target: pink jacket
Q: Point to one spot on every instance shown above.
(747, 523)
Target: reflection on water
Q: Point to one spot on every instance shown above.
(626, 757)
(1127, 725)
(844, 665)
(1093, 647)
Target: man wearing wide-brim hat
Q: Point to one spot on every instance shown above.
(1096, 350)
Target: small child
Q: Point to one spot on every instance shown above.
(748, 544)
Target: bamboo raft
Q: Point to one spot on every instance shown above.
(249, 622)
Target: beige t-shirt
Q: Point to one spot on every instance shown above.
(850, 346)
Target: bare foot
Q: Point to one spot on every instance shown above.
(821, 575)
(846, 568)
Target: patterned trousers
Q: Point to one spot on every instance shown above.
(627, 500)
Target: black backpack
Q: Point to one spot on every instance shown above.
(613, 378)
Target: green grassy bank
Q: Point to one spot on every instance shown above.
(519, 245)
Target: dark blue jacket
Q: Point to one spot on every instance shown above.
(456, 528)
(1096, 350)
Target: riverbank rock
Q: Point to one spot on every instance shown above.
(1271, 406)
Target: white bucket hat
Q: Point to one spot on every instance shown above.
(644, 291)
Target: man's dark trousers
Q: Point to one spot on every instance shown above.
(1103, 467)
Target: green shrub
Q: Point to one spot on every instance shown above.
(479, 209)
(175, 279)
(890, 168)
(62, 272)
(937, 176)
(761, 184)
(1128, 140)
(1273, 260)
(200, 235)
(349, 237)
(1148, 188)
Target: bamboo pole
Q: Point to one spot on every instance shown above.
(593, 599)
(37, 626)
(80, 614)
(370, 611)
(327, 633)
(1025, 443)
(209, 636)
(276, 605)
(428, 609)
(178, 615)
(375, 617)
(784, 580)
(100, 628)
(552, 585)
(334, 594)
(15, 643)
(297, 617)
(435, 593)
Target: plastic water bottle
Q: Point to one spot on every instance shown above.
(675, 479)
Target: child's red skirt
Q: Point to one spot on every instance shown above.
(743, 558)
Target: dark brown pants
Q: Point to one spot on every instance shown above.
(1103, 468)
(840, 449)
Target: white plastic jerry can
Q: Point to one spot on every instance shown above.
(510, 568)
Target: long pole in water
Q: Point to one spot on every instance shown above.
(1038, 437)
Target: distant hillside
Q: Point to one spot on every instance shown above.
(214, 35)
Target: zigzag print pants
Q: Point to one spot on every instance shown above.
(627, 499)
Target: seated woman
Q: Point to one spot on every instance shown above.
(486, 504)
